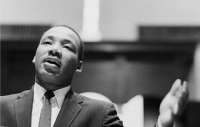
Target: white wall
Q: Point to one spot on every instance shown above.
(194, 79)
(119, 19)
(42, 12)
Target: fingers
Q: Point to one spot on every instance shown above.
(175, 109)
(176, 87)
(183, 95)
(181, 98)
(185, 88)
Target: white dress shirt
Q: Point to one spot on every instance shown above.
(38, 100)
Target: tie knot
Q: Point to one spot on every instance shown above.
(49, 94)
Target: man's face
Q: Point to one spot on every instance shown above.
(56, 57)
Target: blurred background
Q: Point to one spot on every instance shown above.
(134, 50)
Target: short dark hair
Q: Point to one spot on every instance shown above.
(81, 48)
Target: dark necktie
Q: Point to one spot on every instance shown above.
(45, 116)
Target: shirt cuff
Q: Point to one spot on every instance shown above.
(159, 123)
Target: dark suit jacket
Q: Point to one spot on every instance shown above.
(76, 111)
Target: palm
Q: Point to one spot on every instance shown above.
(174, 103)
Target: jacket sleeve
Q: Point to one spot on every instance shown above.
(111, 119)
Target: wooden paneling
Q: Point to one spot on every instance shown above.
(118, 70)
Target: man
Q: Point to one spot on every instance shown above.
(51, 100)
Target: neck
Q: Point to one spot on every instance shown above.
(49, 85)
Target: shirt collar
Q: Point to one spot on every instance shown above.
(59, 94)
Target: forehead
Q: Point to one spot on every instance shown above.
(62, 33)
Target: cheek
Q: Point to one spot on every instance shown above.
(70, 61)
(40, 53)
(39, 58)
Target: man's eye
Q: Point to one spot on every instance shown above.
(47, 43)
(68, 47)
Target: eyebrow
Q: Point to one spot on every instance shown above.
(52, 38)
(64, 40)
(49, 37)
(67, 41)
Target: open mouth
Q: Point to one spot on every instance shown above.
(53, 61)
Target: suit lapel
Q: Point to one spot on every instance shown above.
(69, 110)
(24, 109)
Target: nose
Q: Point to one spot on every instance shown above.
(55, 51)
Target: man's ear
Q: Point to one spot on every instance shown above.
(33, 61)
(79, 67)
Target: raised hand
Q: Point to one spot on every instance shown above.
(174, 103)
